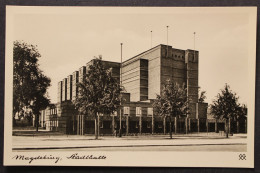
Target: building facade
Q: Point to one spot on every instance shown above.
(142, 77)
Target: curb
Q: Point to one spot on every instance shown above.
(106, 146)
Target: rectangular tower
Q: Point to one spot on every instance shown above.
(82, 73)
(64, 89)
(59, 99)
(192, 60)
(69, 87)
(75, 80)
(135, 79)
(173, 66)
(141, 74)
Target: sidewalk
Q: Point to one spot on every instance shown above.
(73, 141)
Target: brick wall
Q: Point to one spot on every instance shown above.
(64, 89)
(201, 110)
(192, 74)
(75, 80)
(69, 87)
(59, 99)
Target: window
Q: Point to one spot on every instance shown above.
(126, 110)
(138, 111)
(149, 112)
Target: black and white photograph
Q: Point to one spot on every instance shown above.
(130, 86)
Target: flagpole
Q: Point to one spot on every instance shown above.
(194, 43)
(151, 39)
(120, 116)
(167, 40)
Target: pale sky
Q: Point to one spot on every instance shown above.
(68, 38)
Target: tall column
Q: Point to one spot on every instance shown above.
(164, 125)
(83, 124)
(98, 125)
(73, 124)
(127, 125)
(113, 124)
(189, 126)
(207, 125)
(198, 124)
(78, 125)
(140, 124)
(175, 125)
(79, 117)
(216, 125)
(80, 122)
(152, 125)
(186, 125)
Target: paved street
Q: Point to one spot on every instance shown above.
(229, 148)
(182, 142)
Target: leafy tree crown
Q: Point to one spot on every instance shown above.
(29, 83)
(173, 100)
(99, 92)
(226, 105)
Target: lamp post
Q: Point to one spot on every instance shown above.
(151, 39)
(167, 41)
(194, 43)
(120, 116)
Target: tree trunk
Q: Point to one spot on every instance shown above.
(216, 126)
(227, 128)
(113, 124)
(96, 127)
(175, 125)
(170, 127)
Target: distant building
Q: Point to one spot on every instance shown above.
(142, 77)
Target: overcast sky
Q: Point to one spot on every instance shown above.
(68, 38)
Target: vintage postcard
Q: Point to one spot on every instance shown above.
(130, 86)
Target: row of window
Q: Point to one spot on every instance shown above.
(148, 125)
(139, 111)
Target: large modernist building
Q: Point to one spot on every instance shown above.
(142, 77)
